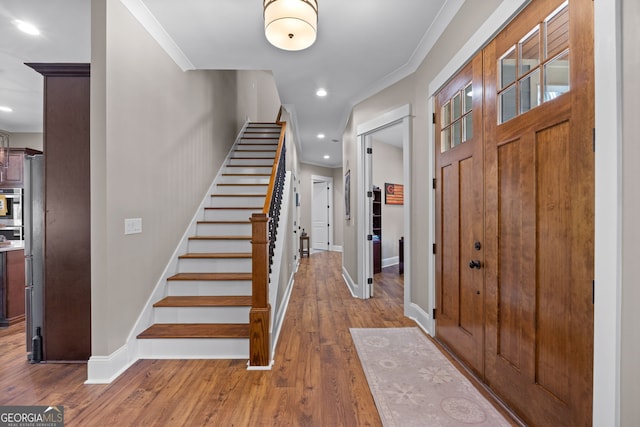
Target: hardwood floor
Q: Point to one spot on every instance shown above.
(317, 378)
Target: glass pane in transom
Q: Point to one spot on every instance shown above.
(456, 134)
(468, 127)
(556, 76)
(456, 106)
(557, 31)
(446, 115)
(530, 92)
(507, 100)
(468, 98)
(507, 68)
(445, 140)
(530, 51)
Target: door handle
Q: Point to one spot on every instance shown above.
(475, 264)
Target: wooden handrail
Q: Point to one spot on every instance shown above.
(274, 171)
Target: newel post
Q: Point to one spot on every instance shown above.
(260, 315)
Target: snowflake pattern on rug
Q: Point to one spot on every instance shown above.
(414, 384)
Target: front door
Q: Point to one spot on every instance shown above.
(539, 199)
(459, 216)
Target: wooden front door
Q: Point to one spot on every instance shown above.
(459, 216)
(539, 186)
(521, 190)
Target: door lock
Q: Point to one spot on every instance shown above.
(474, 263)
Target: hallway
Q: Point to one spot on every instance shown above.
(317, 378)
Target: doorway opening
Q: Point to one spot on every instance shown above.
(321, 213)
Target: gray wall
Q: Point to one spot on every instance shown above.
(630, 316)
(159, 136)
(26, 140)
(411, 90)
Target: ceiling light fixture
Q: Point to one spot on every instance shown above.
(321, 92)
(5, 109)
(291, 24)
(26, 27)
(321, 136)
(326, 156)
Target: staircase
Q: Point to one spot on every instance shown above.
(205, 313)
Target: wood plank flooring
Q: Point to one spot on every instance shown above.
(317, 379)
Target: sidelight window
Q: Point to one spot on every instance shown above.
(536, 69)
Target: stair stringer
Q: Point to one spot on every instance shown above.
(105, 369)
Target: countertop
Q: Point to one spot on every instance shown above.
(13, 245)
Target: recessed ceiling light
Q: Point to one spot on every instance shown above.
(326, 156)
(26, 27)
(5, 109)
(321, 136)
(321, 92)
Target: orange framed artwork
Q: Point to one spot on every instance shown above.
(393, 194)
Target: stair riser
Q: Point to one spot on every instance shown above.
(208, 287)
(237, 202)
(190, 348)
(245, 179)
(261, 154)
(251, 162)
(229, 214)
(248, 170)
(261, 135)
(241, 189)
(213, 246)
(223, 229)
(201, 314)
(202, 265)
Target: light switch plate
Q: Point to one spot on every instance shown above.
(132, 225)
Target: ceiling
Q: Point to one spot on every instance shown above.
(362, 47)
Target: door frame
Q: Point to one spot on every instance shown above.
(329, 181)
(402, 116)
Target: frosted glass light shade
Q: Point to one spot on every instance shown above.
(291, 24)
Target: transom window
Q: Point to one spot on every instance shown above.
(536, 69)
(457, 119)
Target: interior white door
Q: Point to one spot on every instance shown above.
(320, 216)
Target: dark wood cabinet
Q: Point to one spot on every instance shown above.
(13, 177)
(12, 284)
(66, 328)
(377, 230)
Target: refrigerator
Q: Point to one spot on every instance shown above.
(33, 219)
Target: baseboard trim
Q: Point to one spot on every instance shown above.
(421, 317)
(351, 285)
(105, 369)
(388, 262)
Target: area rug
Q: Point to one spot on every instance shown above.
(414, 384)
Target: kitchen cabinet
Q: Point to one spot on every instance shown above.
(12, 282)
(13, 177)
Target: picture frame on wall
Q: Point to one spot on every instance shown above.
(347, 195)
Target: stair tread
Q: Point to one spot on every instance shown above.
(240, 184)
(255, 208)
(220, 238)
(211, 276)
(225, 222)
(249, 166)
(205, 301)
(246, 174)
(220, 255)
(239, 195)
(196, 330)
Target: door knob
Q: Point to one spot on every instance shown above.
(475, 264)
